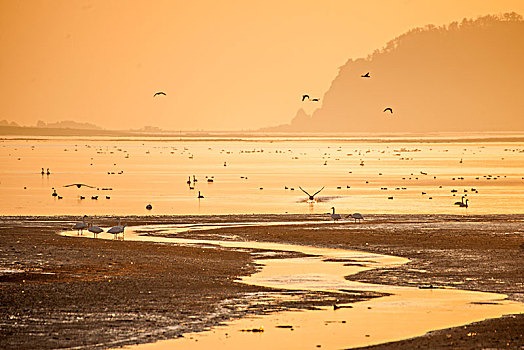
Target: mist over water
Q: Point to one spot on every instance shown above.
(251, 175)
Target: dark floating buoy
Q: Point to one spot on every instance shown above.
(149, 207)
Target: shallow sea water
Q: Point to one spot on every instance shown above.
(251, 175)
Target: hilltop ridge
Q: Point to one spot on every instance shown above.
(460, 77)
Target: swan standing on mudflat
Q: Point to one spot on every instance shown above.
(95, 229)
(116, 230)
(334, 216)
(356, 216)
(80, 226)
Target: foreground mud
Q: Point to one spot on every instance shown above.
(64, 292)
(482, 253)
(68, 292)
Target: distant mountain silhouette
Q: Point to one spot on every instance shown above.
(7, 123)
(68, 124)
(301, 122)
(466, 76)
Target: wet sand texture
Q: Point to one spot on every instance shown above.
(99, 294)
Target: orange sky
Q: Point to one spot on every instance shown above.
(225, 65)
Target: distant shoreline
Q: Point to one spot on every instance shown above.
(33, 133)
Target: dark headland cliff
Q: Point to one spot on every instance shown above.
(465, 76)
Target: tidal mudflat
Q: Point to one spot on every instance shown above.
(69, 291)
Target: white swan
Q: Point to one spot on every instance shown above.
(80, 226)
(116, 230)
(95, 229)
(356, 216)
(334, 216)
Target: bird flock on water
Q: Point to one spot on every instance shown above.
(357, 217)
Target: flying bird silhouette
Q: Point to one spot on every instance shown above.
(388, 109)
(79, 185)
(304, 97)
(315, 100)
(366, 75)
(311, 197)
(159, 93)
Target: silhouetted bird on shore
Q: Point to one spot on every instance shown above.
(366, 75)
(94, 229)
(80, 226)
(334, 216)
(304, 97)
(356, 217)
(117, 229)
(159, 93)
(79, 185)
(389, 109)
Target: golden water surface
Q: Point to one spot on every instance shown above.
(258, 175)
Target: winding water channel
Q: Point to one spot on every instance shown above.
(406, 313)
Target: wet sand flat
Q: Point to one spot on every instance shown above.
(61, 291)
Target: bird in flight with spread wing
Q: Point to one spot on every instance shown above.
(311, 197)
(79, 185)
